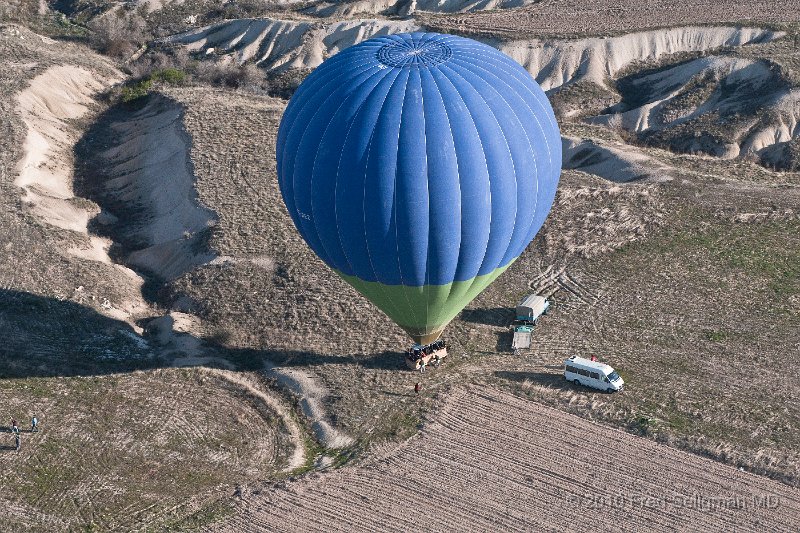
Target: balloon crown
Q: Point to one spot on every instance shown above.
(412, 53)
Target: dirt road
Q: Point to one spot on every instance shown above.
(490, 461)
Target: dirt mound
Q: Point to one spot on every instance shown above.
(726, 107)
(616, 163)
(489, 460)
(561, 62)
(139, 171)
(312, 396)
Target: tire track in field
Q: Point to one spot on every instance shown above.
(490, 461)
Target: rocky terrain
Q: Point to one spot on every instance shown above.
(193, 364)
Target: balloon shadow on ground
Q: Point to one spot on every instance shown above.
(546, 379)
(504, 341)
(47, 337)
(497, 316)
(386, 360)
(41, 336)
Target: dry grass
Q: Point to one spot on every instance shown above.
(555, 18)
(701, 311)
(668, 282)
(133, 450)
(489, 461)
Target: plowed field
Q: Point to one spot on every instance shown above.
(490, 461)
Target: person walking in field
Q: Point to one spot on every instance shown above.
(14, 428)
(417, 388)
(34, 424)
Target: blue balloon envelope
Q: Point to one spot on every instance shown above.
(418, 167)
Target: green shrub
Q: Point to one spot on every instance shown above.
(136, 90)
(173, 76)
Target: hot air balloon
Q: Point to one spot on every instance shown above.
(418, 167)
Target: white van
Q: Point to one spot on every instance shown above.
(592, 374)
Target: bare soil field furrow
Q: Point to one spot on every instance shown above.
(464, 491)
(513, 475)
(327, 512)
(372, 488)
(371, 491)
(505, 471)
(313, 516)
(417, 484)
(566, 436)
(395, 518)
(616, 443)
(424, 499)
(494, 460)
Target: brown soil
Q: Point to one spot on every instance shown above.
(669, 281)
(490, 461)
(133, 450)
(581, 17)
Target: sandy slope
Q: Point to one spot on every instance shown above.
(617, 163)
(490, 461)
(50, 108)
(149, 185)
(53, 99)
(280, 44)
(557, 62)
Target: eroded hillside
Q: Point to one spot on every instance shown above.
(143, 229)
